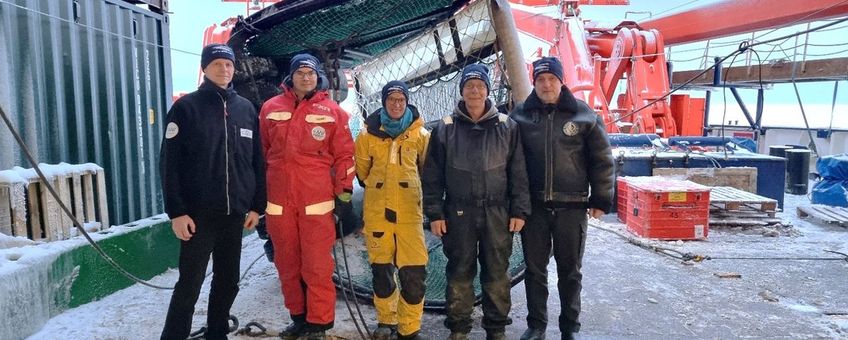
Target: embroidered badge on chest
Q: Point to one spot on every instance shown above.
(570, 129)
(318, 133)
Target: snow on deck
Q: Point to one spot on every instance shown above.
(25, 252)
(628, 292)
(21, 175)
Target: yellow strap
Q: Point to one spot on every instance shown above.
(319, 119)
(320, 208)
(274, 209)
(279, 115)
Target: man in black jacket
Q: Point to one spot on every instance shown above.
(475, 195)
(570, 166)
(213, 180)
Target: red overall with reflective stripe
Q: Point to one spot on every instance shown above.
(309, 154)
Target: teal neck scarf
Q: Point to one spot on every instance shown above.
(395, 127)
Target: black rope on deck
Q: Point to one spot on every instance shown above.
(350, 283)
(201, 333)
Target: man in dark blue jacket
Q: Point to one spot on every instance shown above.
(570, 167)
(213, 179)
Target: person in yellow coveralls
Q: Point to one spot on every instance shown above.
(389, 155)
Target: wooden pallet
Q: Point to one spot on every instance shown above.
(743, 222)
(744, 218)
(736, 177)
(732, 199)
(825, 213)
(28, 210)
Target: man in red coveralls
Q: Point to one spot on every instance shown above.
(309, 152)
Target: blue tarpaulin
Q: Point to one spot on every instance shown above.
(832, 189)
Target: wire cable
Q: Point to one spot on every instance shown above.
(801, 19)
(724, 98)
(674, 8)
(350, 284)
(812, 144)
(344, 295)
(833, 108)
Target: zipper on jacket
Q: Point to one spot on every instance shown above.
(226, 152)
(549, 159)
(394, 153)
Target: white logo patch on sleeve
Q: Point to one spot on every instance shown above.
(172, 130)
(247, 133)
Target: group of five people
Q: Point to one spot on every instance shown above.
(479, 177)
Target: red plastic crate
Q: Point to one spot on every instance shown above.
(622, 183)
(621, 200)
(690, 232)
(668, 209)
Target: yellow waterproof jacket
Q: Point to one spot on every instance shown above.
(388, 168)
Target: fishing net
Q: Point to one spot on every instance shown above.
(431, 64)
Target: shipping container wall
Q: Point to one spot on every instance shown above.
(88, 81)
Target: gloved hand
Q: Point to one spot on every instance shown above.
(345, 215)
(344, 197)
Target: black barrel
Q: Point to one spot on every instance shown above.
(797, 171)
(779, 150)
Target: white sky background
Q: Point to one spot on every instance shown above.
(188, 22)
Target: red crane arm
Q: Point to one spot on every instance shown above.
(739, 16)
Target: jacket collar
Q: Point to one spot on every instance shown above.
(208, 85)
(489, 113)
(566, 102)
(373, 125)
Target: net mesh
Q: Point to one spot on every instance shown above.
(434, 297)
(431, 63)
(355, 22)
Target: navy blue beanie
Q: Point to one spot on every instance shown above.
(303, 60)
(215, 51)
(475, 71)
(550, 65)
(392, 87)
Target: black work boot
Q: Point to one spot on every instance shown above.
(567, 335)
(295, 329)
(316, 331)
(458, 336)
(414, 336)
(316, 335)
(385, 331)
(533, 334)
(496, 335)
